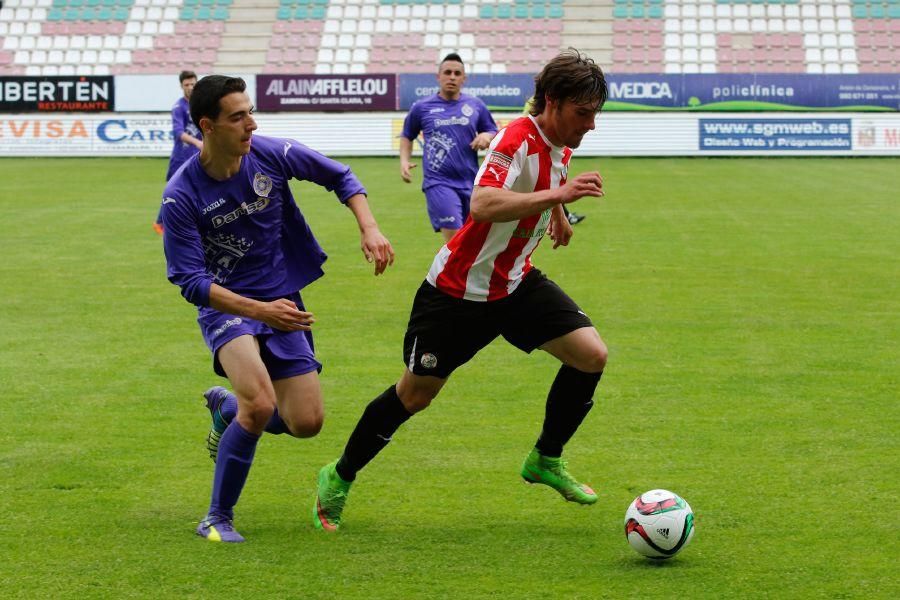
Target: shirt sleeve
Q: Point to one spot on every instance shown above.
(178, 121)
(185, 265)
(412, 125)
(304, 163)
(503, 162)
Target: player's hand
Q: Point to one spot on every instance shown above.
(481, 141)
(283, 314)
(377, 249)
(559, 230)
(585, 184)
(405, 168)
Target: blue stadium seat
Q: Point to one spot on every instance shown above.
(894, 13)
(55, 14)
(620, 12)
(187, 13)
(220, 13)
(504, 11)
(60, 3)
(556, 12)
(317, 13)
(655, 12)
(284, 13)
(538, 12)
(876, 11)
(521, 12)
(487, 11)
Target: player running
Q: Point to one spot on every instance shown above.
(482, 285)
(455, 127)
(239, 248)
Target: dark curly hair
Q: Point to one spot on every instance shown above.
(570, 77)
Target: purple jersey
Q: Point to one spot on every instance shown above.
(182, 123)
(449, 127)
(247, 233)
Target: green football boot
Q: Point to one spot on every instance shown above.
(552, 472)
(330, 498)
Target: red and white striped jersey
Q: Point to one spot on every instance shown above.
(487, 261)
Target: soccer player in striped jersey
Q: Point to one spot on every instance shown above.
(239, 248)
(482, 285)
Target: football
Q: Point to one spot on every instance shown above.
(659, 524)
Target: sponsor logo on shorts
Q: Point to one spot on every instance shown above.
(226, 325)
(446, 219)
(428, 361)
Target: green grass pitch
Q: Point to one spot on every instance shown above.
(751, 308)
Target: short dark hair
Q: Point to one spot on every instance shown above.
(207, 93)
(186, 75)
(454, 57)
(571, 76)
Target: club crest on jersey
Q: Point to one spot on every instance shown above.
(428, 361)
(467, 110)
(262, 185)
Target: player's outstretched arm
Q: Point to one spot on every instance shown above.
(498, 205)
(405, 154)
(281, 314)
(374, 245)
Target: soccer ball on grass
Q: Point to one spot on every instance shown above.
(658, 524)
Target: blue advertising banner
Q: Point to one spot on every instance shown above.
(748, 92)
(775, 134)
(727, 92)
(508, 91)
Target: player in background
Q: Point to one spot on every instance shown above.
(240, 250)
(455, 127)
(188, 140)
(482, 285)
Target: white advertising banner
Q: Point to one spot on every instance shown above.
(375, 134)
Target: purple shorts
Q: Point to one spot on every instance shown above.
(285, 353)
(448, 207)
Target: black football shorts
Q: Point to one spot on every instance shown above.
(446, 332)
